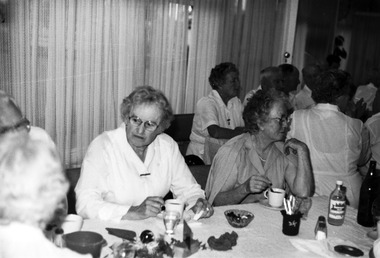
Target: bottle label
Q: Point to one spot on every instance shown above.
(337, 209)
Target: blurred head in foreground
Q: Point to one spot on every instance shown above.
(32, 184)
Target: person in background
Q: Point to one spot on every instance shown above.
(367, 92)
(12, 119)
(333, 62)
(127, 171)
(270, 78)
(32, 188)
(291, 79)
(248, 164)
(303, 99)
(338, 144)
(373, 126)
(219, 115)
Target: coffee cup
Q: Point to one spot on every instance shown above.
(275, 196)
(175, 205)
(72, 223)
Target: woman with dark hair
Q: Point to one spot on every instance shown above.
(127, 171)
(250, 163)
(338, 144)
(219, 115)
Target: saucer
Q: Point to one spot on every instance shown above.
(372, 234)
(264, 202)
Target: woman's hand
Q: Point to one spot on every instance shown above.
(150, 207)
(295, 146)
(257, 184)
(204, 206)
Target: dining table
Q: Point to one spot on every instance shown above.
(263, 237)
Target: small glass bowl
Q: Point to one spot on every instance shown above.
(238, 218)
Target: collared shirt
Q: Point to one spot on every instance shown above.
(337, 144)
(303, 99)
(113, 178)
(21, 240)
(367, 93)
(237, 160)
(211, 110)
(37, 133)
(373, 126)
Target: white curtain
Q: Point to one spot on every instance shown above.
(69, 63)
(248, 33)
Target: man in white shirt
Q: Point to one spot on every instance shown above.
(270, 78)
(373, 126)
(303, 99)
(220, 114)
(338, 144)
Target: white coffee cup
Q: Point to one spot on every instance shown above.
(72, 223)
(275, 196)
(175, 205)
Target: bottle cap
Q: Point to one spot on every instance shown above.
(339, 182)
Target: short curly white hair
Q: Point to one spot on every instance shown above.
(32, 183)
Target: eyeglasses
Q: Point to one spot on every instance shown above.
(282, 120)
(148, 125)
(22, 123)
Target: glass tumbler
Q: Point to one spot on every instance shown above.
(171, 220)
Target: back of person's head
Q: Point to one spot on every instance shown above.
(32, 184)
(330, 85)
(148, 95)
(290, 76)
(271, 78)
(219, 72)
(310, 73)
(259, 106)
(10, 113)
(333, 61)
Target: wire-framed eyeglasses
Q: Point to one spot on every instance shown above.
(148, 125)
(22, 123)
(282, 120)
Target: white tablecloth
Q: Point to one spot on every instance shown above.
(263, 237)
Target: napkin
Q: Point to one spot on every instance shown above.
(324, 248)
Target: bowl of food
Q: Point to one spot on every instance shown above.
(238, 218)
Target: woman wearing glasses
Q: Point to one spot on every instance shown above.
(250, 163)
(127, 171)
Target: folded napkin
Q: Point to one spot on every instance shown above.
(324, 248)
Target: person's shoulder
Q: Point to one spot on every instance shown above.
(374, 119)
(38, 133)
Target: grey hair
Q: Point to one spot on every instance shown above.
(148, 95)
(32, 184)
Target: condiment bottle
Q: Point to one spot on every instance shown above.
(321, 228)
(368, 192)
(337, 205)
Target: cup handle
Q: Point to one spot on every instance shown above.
(266, 193)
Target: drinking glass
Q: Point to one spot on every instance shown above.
(171, 220)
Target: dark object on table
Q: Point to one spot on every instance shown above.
(192, 160)
(291, 223)
(224, 242)
(85, 242)
(189, 245)
(146, 236)
(238, 218)
(122, 233)
(348, 250)
(369, 190)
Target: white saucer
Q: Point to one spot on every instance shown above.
(264, 202)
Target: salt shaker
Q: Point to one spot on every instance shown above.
(321, 228)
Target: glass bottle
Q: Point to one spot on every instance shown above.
(368, 193)
(337, 205)
(321, 228)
